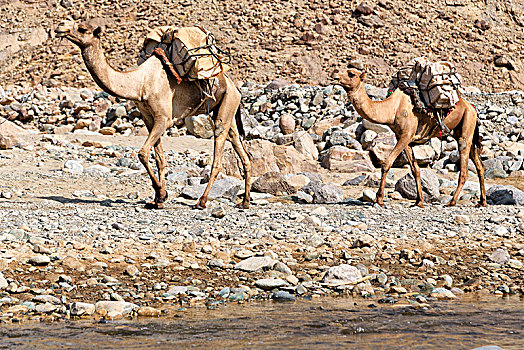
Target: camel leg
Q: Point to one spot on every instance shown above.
(415, 169)
(160, 159)
(464, 148)
(225, 116)
(155, 132)
(475, 157)
(238, 146)
(401, 144)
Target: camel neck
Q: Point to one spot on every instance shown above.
(379, 112)
(121, 84)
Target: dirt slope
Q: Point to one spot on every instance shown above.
(301, 41)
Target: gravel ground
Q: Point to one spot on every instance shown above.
(81, 245)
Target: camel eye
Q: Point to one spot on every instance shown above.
(82, 30)
(351, 75)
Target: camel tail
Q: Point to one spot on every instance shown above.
(238, 120)
(477, 139)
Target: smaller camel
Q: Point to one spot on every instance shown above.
(164, 103)
(411, 127)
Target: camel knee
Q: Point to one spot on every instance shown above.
(143, 156)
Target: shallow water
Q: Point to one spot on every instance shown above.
(331, 323)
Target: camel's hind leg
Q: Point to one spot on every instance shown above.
(475, 157)
(464, 149)
(415, 169)
(238, 146)
(225, 116)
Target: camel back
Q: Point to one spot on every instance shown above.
(436, 83)
(191, 51)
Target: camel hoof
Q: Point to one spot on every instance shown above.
(419, 204)
(199, 206)
(450, 204)
(154, 205)
(482, 204)
(242, 205)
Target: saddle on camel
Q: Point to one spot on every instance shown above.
(432, 86)
(189, 54)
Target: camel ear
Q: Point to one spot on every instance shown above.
(363, 75)
(97, 32)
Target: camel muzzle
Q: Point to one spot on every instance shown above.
(63, 29)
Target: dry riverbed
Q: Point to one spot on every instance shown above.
(79, 244)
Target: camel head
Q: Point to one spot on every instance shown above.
(350, 79)
(82, 34)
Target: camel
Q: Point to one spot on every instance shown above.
(164, 103)
(410, 127)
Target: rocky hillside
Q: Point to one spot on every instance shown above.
(301, 41)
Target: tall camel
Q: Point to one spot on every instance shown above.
(164, 103)
(410, 127)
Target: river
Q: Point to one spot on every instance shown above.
(327, 323)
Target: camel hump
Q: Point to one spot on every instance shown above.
(191, 50)
(437, 83)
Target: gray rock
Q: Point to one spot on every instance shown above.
(45, 308)
(342, 274)
(97, 169)
(256, 263)
(45, 298)
(200, 126)
(222, 188)
(270, 283)
(120, 307)
(3, 282)
(176, 290)
(283, 296)
(341, 138)
(273, 183)
(79, 309)
(505, 195)
(39, 260)
(315, 241)
(407, 187)
(499, 256)
(324, 193)
(74, 166)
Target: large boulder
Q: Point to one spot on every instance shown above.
(322, 126)
(407, 187)
(341, 138)
(222, 188)
(274, 183)
(381, 146)
(287, 123)
(343, 159)
(8, 128)
(267, 156)
(505, 194)
(323, 193)
(305, 145)
(342, 274)
(199, 126)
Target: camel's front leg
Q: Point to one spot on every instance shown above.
(160, 159)
(464, 148)
(155, 132)
(401, 144)
(415, 169)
